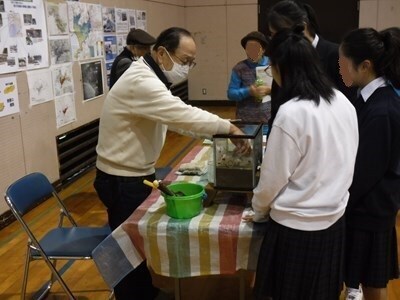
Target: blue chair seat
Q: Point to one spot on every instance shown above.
(72, 242)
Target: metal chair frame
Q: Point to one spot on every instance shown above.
(25, 194)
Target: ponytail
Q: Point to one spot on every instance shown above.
(391, 61)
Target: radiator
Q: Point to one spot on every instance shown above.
(77, 150)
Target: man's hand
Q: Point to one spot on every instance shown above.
(243, 146)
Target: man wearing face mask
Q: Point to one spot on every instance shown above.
(136, 114)
(243, 86)
(138, 43)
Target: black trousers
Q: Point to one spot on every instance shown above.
(122, 195)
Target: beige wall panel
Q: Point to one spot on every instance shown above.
(208, 25)
(162, 16)
(368, 13)
(12, 162)
(388, 14)
(38, 128)
(172, 2)
(189, 3)
(241, 20)
(241, 2)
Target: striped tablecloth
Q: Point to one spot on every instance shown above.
(215, 242)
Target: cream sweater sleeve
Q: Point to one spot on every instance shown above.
(153, 101)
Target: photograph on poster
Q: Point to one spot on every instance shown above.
(92, 79)
(108, 19)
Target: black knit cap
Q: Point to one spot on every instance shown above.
(139, 37)
(257, 36)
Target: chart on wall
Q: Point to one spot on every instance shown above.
(23, 36)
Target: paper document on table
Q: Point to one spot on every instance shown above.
(262, 75)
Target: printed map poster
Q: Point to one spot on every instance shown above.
(57, 18)
(60, 50)
(65, 110)
(86, 30)
(95, 17)
(23, 36)
(9, 103)
(62, 80)
(40, 86)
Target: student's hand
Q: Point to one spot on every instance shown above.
(251, 216)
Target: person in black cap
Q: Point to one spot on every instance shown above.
(138, 43)
(245, 86)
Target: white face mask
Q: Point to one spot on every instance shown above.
(178, 73)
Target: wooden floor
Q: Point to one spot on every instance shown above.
(83, 277)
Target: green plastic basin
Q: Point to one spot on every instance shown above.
(187, 206)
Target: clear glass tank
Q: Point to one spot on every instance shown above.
(232, 170)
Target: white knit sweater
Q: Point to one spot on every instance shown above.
(137, 112)
(308, 164)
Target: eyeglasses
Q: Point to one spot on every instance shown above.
(190, 62)
(268, 71)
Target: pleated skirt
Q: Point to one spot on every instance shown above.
(371, 258)
(300, 265)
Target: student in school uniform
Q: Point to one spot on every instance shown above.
(288, 13)
(372, 59)
(304, 178)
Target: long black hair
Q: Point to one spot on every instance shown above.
(288, 13)
(381, 48)
(300, 69)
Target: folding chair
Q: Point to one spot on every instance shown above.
(59, 243)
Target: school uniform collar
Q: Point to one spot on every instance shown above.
(315, 41)
(371, 87)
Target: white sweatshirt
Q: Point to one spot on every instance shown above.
(137, 112)
(308, 164)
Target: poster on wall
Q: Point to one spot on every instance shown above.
(9, 103)
(121, 20)
(110, 47)
(63, 82)
(108, 19)
(121, 42)
(86, 28)
(23, 36)
(57, 18)
(60, 50)
(92, 79)
(141, 19)
(108, 72)
(132, 18)
(65, 110)
(40, 86)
